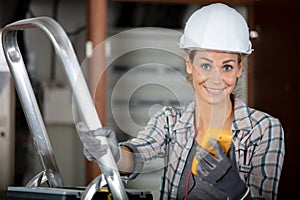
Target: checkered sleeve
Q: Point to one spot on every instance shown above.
(267, 157)
(150, 142)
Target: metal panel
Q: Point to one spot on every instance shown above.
(6, 132)
(7, 139)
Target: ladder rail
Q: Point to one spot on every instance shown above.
(81, 96)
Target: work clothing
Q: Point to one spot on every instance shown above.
(195, 187)
(258, 139)
(220, 170)
(92, 148)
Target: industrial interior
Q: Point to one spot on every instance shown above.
(128, 53)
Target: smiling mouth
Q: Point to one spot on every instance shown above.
(214, 91)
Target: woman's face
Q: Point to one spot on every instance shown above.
(214, 74)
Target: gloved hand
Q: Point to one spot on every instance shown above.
(92, 147)
(221, 172)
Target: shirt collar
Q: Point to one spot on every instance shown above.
(187, 118)
(241, 116)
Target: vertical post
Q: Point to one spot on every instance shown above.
(96, 77)
(250, 70)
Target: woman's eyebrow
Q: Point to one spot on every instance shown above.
(227, 61)
(211, 61)
(207, 59)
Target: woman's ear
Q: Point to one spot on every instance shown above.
(188, 65)
(241, 64)
(240, 70)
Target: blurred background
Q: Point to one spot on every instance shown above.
(268, 84)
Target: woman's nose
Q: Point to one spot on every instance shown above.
(216, 76)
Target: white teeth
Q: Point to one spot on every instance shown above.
(215, 91)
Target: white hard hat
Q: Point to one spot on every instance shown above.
(217, 27)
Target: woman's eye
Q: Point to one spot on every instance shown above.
(227, 67)
(205, 66)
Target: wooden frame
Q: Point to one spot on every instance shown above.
(233, 2)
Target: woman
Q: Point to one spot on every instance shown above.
(216, 39)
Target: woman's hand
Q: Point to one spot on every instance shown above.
(92, 147)
(221, 171)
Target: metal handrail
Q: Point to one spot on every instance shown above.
(86, 108)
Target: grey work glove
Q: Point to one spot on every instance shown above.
(92, 147)
(221, 172)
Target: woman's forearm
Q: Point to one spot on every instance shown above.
(126, 162)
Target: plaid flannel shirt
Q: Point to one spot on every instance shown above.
(257, 136)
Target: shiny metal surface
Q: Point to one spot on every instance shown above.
(84, 104)
(93, 187)
(37, 180)
(29, 104)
